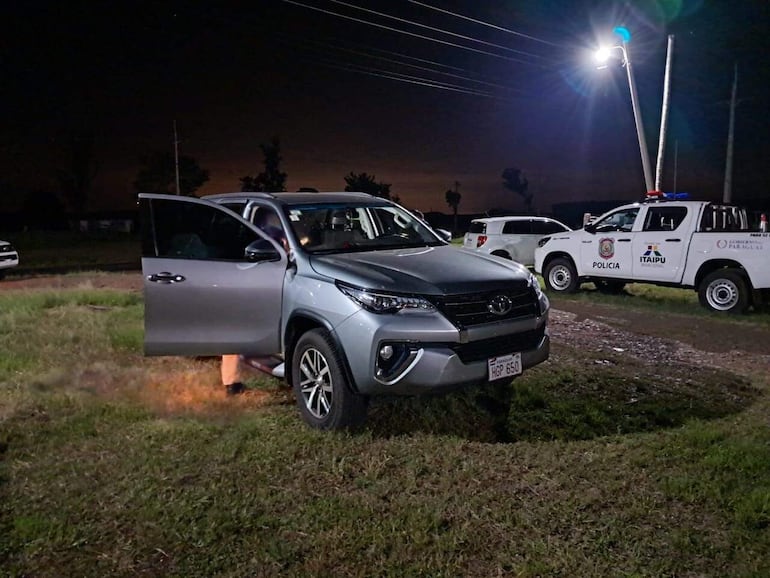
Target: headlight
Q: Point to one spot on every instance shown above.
(535, 284)
(543, 241)
(378, 302)
(542, 300)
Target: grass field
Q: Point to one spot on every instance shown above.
(40, 250)
(120, 465)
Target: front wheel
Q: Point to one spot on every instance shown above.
(725, 291)
(560, 275)
(325, 398)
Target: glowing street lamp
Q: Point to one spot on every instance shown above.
(602, 56)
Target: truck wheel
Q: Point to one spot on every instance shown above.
(724, 290)
(560, 275)
(324, 396)
(609, 287)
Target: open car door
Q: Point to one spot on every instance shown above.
(213, 282)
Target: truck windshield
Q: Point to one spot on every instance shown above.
(332, 228)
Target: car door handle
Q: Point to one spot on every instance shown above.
(673, 240)
(589, 241)
(165, 277)
(624, 240)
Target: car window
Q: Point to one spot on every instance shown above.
(477, 228)
(547, 227)
(330, 228)
(517, 228)
(194, 231)
(622, 220)
(664, 218)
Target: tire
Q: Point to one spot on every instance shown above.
(724, 291)
(502, 254)
(609, 287)
(560, 276)
(325, 398)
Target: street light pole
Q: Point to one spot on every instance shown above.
(602, 55)
(638, 119)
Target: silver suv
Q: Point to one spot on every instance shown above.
(353, 295)
(511, 237)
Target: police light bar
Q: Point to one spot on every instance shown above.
(661, 196)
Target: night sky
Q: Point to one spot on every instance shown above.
(345, 95)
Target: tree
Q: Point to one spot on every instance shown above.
(364, 183)
(75, 180)
(271, 179)
(515, 181)
(158, 174)
(453, 200)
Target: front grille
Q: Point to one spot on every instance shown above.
(494, 346)
(467, 310)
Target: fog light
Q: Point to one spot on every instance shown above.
(394, 360)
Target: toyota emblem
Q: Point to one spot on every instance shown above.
(499, 305)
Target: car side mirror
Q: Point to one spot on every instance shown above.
(590, 228)
(261, 250)
(444, 234)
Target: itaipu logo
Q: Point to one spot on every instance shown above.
(606, 248)
(652, 255)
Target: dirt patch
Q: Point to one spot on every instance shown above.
(93, 280)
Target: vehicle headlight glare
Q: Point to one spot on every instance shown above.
(385, 302)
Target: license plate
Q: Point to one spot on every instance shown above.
(504, 366)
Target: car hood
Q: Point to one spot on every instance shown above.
(443, 270)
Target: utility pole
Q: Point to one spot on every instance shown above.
(176, 159)
(664, 114)
(728, 190)
(676, 162)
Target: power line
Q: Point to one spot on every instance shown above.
(417, 66)
(439, 30)
(413, 34)
(508, 30)
(409, 79)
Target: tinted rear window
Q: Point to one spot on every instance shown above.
(517, 228)
(478, 228)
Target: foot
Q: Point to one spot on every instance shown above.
(235, 388)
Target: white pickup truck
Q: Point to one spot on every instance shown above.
(679, 243)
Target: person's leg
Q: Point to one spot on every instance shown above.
(231, 375)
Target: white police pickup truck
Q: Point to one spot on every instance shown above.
(680, 243)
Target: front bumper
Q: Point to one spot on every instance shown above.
(444, 356)
(8, 260)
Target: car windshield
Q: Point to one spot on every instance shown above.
(335, 228)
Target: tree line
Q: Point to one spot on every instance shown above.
(165, 172)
